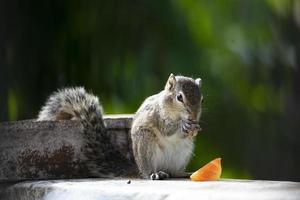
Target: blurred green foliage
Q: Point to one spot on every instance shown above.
(246, 52)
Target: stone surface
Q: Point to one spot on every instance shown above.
(122, 121)
(97, 189)
(53, 150)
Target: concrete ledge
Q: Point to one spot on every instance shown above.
(31, 150)
(120, 121)
(53, 150)
(96, 189)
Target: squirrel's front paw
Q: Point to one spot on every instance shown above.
(159, 175)
(190, 128)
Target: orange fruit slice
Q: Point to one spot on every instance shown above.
(209, 172)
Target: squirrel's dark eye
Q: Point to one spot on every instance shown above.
(179, 98)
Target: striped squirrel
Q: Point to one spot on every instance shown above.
(162, 131)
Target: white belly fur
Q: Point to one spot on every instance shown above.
(173, 154)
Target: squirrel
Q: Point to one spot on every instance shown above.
(164, 127)
(100, 156)
(162, 130)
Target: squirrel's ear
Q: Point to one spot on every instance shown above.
(171, 82)
(199, 82)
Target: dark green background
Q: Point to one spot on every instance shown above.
(246, 52)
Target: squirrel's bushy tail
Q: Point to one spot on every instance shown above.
(102, 158)
(72, 104)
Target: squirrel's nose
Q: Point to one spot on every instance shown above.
(192, 116)
(192, 119)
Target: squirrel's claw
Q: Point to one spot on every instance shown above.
(185, 127)
(189, 125)
(190, 128)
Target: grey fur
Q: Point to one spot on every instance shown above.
(164, 127)
(101, 156)
(72, 104)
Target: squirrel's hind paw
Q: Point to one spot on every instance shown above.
(159, 175)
